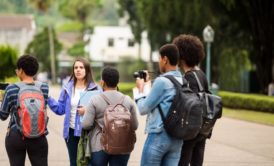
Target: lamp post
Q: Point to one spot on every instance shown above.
(208, 35)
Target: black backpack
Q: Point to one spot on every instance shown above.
(184, 118)
(212, 110)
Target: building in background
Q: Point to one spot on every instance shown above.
(110, 44)
(17, 31)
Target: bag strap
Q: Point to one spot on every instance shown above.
(198, 81)
(20, 85)
(174, 81)
(177, 85)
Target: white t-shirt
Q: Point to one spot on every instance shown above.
(74, 103)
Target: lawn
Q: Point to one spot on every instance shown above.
(248, 115)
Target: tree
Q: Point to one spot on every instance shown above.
(256, 19)
(43, 6)
(78, 9)
(8, 56)
(130, 8)
(40, 48)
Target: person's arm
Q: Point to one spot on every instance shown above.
(133, 114)
(58, 107)
(89, 116)
(150, 102)
(6, 104)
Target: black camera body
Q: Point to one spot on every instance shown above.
(140, 74)
(3, 86)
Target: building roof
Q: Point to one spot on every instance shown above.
(17, 21)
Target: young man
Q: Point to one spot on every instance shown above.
(94, 116)
(160, 148)
(16, 144)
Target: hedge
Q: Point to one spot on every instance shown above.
(126, 88)
(247, 101)
(230, 99)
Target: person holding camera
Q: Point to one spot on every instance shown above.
(159, 148)
(191, 51)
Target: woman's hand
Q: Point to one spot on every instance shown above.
(81, 110)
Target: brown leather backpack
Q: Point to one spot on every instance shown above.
(118, 136)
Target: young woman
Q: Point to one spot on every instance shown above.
(191, 52)
(80, 82)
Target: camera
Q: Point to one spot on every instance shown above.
(140, 74)
(3, 86)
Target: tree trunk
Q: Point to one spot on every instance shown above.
(262, 21)
(52, 56)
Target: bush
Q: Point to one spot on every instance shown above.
(126, 88)
(8, 56)
(248, 101)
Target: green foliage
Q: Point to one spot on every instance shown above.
(12, 79)
(134, 20)
(233, 62)
(77, 50)
(14, 6)
(131, 66)
(39, 47)
(8, 56)
(70, 27)
(252, 116)
(248, 101)
(126, 88)
(78, 9)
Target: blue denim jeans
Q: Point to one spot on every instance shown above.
(101, 158)
(161, 150)
(72, 145)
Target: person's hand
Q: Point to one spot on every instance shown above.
(81, 110)
(140, 83)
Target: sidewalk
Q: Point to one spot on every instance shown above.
(233, 143)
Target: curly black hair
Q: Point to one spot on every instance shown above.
(110, 76)
(28, 64)
(190, 48)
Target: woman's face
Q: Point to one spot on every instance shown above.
(79, 70)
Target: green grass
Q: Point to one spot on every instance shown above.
(252, 116)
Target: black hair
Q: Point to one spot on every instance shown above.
(171, 52)
(191, 49)
(110, 76)
(28, 64)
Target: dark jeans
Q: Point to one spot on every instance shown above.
(17, 147)
(101, 158)
(193, 152)
(72, 145)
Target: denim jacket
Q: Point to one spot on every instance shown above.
(161, 94)
(63, 106)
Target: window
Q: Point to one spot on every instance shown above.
(130, 43)
(110, 42)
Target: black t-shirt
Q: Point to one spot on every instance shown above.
(193, 84)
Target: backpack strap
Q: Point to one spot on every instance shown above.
(174, 81)
(198, 81)
(106, 99)
(177, 85)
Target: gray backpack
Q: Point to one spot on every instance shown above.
(31, 115)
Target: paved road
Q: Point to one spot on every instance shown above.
(233, 143)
